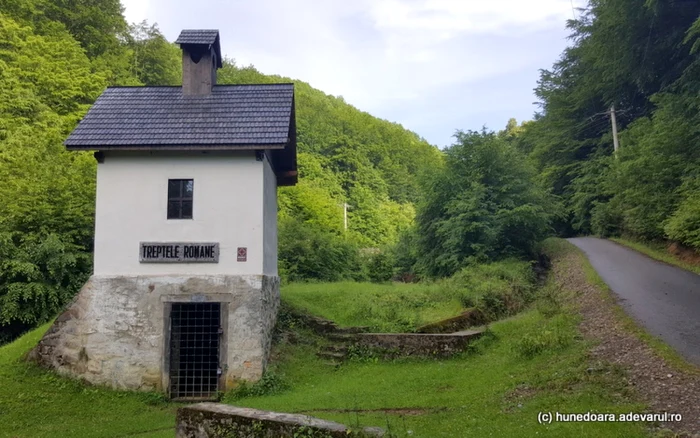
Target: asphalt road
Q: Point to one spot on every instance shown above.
(662, 298)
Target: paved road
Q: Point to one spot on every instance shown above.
(663, 298)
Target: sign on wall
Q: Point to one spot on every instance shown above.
(179, 252)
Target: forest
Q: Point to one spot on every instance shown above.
(415, 212)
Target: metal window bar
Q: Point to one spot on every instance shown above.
(180, 198)
(194, 350)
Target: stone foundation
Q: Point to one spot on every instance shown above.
(115, 331)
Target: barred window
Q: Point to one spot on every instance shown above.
(180, 192)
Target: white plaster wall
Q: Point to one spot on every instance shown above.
(132, 191)
(270, 221)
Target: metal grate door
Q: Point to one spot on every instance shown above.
(194, 350)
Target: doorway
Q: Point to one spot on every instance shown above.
(195, 341)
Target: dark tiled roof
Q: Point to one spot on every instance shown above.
(149, 117)
(197, 36)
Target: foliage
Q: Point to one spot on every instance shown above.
(270, 384)
(57, 56)
(482, 206)
(37, 276)
(380, 266)
(644, 60)
(155, 60)
(684, 225)
(310, 252)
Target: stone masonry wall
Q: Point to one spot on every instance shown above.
(114, 332)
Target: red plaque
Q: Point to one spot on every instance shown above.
(242, 254)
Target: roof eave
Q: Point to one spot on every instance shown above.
(168, 147)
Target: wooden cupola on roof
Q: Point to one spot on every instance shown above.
(201, 57)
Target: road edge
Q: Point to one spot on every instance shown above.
(660, 377)
(656, 254)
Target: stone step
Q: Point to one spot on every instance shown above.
(341, 337)
(336, 348)
(351, 330)
(331, 355)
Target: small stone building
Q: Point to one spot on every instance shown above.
(185, 289)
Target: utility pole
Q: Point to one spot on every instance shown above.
(616, 142)
(345, 215)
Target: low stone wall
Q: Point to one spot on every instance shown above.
(469, 318)
(214, 420)
(414, 344)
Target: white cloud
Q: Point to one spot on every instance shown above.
(136, 11)
(383, 56)
(472, 16)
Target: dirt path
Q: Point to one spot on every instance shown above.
(662, 298)
(663, 387)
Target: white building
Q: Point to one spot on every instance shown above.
(185, 289)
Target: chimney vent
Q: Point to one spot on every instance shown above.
(201, 57)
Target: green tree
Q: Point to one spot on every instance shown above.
(483, 205)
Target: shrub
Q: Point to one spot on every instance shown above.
(307, 252)
(270, 384)
(533, 344)
(684, 225)
(380, 266)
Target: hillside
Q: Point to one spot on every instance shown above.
(643, 60)
(53, 65)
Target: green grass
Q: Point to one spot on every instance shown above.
(470, 395)
(390, 307)
(532, 362)
(400, 307)
(657, 251)
(38, 403)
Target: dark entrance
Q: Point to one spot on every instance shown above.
(195, 331)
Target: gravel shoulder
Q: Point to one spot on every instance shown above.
(664, 299)
(658, 383)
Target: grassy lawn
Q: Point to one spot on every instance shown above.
(390, 307)
(658, 252)
(530, 363)
(38, 403)
(533, 362)
(400, 307)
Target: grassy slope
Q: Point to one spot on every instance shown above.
(391, 307)
(38, 403)
(658, 252)
(467, 395)
(533, 362)
(399, 307)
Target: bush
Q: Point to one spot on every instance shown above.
(38, 276)
(270, 384)
(550, 337)
(380, 266)
(307, 252)
(684, 225)
(606, 219)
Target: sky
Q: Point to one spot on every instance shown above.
(435, 66)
